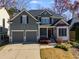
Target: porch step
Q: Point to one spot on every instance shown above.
(53, 41)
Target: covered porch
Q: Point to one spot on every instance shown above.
(48, 32)
(53, 32)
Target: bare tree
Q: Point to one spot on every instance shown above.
(17, 4)
(60, 6)
(74, 9)
(7, 3)
(63, 5)
(20, 4)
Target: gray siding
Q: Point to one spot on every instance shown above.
(16, 25)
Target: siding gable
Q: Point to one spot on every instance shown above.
(18, 19)
(45, 13)
(61, 23)
(22, 13)
(17, 22)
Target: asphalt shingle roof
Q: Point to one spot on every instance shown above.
(37, 12)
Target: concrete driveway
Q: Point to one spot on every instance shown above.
(19, 51)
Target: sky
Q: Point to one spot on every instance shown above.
(41, 3)
(38, 4)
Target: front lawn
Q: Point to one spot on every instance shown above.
(55, 53)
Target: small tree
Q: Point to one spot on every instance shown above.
(11, 11)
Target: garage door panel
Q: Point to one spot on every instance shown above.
(31, 37)
(17, 36)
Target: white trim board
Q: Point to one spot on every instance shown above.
(46, 26)
(31, 30)
(17, 30)
(62, 27)
(22, 30)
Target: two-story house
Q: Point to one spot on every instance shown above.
(29, 26)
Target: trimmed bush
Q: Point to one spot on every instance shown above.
(62, 47)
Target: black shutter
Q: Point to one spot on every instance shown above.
(40, 19)
(27, 19)
(50, 20)
(21, 19)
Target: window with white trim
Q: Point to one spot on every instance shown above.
(45, 20)
(24, 19)
(62, 31)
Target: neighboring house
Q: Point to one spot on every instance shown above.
(3, 32)
(29, 26)
(74, 30)
(4, 15)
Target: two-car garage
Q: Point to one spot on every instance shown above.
(18, 36)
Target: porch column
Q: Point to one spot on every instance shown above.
(47, 32)
(38, 33)
(24, 35)
(57, 32)
(68, 33)
(10, 38)
(38, 36)
(10, 33)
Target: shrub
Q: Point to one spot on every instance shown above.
(74, 44)
(59, 41)
(62, 47)
(67, 44)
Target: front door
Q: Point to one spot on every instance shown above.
(50, 32)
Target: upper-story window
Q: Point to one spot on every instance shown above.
(45, 20)
(24, 19)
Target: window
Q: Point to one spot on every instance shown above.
(43, 32)
(24, 19)
(45, 20)
(52, 21)
(62, 32)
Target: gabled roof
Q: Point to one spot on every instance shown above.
(22, 12)
(45, 11)
(38, 12)
(61, 21)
